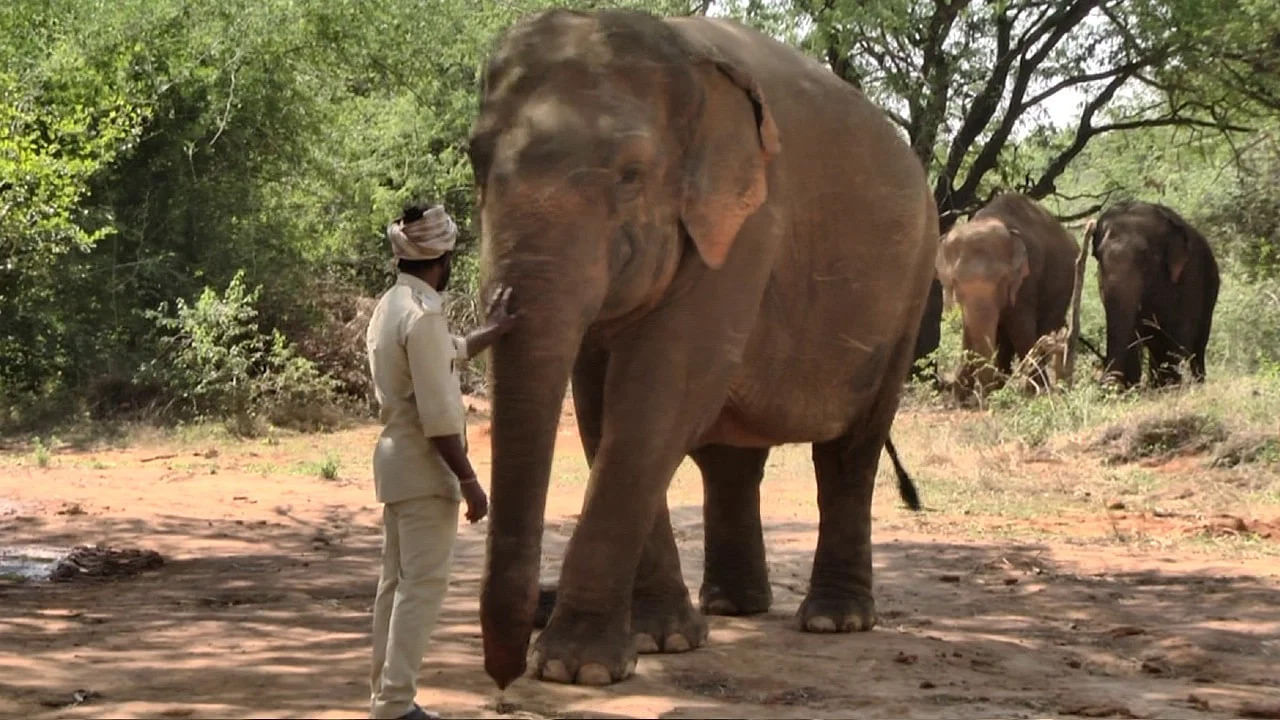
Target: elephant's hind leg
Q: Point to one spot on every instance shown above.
(735, 578)
(663, 618)
(839, 598)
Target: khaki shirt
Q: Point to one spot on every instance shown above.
(413, 360)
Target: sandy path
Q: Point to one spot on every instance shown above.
(262, 607)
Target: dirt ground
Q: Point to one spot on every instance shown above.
(262, 605)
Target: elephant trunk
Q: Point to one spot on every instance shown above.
(1121, 302)
(530, 370)
(981, 323)
(1124, 346)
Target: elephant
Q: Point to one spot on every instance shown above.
(1159, 283)
(1012, 270)
(724, 248)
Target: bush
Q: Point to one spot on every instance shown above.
(1245, 335)
(213, 362)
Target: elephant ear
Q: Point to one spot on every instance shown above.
(1178, 248)
(733, 139)
(1019, 262)
(944, 266)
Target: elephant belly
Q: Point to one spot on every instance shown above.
(800, 399)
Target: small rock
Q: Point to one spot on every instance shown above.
(1011, 581)
(926, 685)
(1115, 505)
(905, 659)
(1074, 663)
(1197, 702)
(1156, 666)
(949, 578)
(1125, 631)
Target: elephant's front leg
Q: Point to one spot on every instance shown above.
(735, 578)
(589, 638)
(662, 617)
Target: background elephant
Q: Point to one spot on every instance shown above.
(727, 248)
(1012, 269)
(1159, 283)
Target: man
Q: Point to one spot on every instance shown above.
(420, 465)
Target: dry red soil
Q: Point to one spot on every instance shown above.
(262, 605)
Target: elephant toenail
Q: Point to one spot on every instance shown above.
(555, 671)
(630, 669)
(820, 624)
(594, 674)
(645, 643)
(677, 643)
(720, 606)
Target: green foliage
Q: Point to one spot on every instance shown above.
(153, 149)
(212, 360)
(40, 452)
(329, 468)
(1246, 336)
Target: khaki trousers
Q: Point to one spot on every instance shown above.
(417, 551)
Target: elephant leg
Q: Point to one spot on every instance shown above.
(1004, 357)
(588, 396)
(735, 578)
(1163, 359)
(1022, 334)
(589, 638)
(1197, 359)
(663, 618)
(588, 404)
(839, 598)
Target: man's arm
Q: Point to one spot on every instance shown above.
(451, 449)
(439, 401)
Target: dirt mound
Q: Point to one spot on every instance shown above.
(1160, 437)
(101, 563)
(1246, 449)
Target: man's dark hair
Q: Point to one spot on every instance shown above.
(413, 212)
(415, 267)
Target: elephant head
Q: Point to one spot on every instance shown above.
(1142, 249)
(611, 158)
(981, 266)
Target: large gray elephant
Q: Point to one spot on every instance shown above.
(1159, 284)
(727, 248)
(1012, 269)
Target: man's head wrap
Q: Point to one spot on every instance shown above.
(422, 235)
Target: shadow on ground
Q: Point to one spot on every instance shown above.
(270, 618)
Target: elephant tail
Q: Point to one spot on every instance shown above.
(906, 486)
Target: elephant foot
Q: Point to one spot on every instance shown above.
(667, 624)
(584, 649)
(833, 614)
(546, 603)
(722, 599)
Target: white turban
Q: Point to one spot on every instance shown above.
(426, 238)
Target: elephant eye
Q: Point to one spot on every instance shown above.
(630, 175)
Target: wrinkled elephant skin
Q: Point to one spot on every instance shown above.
(725, 248)
(1159, 284)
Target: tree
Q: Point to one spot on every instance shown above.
(971, 82)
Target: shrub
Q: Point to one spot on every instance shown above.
(213, 361)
